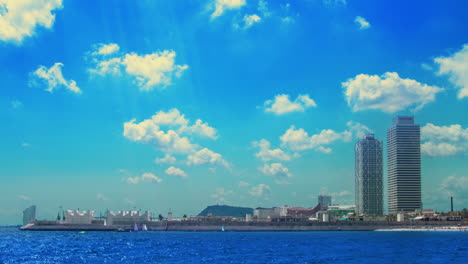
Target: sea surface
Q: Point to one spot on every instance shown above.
(232, 247)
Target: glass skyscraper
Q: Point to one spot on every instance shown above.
(369, 176)
(404, 165)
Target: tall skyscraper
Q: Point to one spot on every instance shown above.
(404, 165)
(369, 176)
(324, 201)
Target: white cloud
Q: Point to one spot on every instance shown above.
(278, 171)
(176, 172)
(203, 129)
(267, 154)
(133, 180)
(221, 194)
(106, 49)
(439, 141)
(335, 3)
(243, 184)
(101, 197)
(53, 78)
(362, 22)
(15, 104)
(20, 18)
(299, 139)
(388, 93)
(456, 67)
(146, 177)
(150, 177)
(261, 190)
(250, 20)
(222, 5)
(282, 105)
(150, 131)
(166, 159)
(148, 71)
(453, 184)
(25, 144)
(24, 197)
(204, 156)
(130, 202)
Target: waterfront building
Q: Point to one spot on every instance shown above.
(369, 176)
(404, 165)
(270, 212)
(77, 217)
(29, 214)
(338, 211)
(324, 201)
(127, 218)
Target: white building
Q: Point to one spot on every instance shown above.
(77, 217)
(127, 217)
(270, 212)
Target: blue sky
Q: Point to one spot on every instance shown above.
(180, 104)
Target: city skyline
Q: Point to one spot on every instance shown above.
(182, 104)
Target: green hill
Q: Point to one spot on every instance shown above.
(226, 210)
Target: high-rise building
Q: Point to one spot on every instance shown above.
(369, 176)
(29, 214)
(324, 201)
(404, 165)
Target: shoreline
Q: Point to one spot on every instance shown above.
(256, 227)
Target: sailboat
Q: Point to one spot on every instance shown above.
(144, 228)
(135, 228)
(222, 228)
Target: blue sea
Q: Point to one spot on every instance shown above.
(231, 247)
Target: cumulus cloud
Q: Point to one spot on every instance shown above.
(388, 93)
(176, 172)
(455, 186)
(243, 184)
(299, 139)
(261, 190)
(266, 154)
(456, 68)
(24, 197)
(147, 71)
(222, 5)
(204, 156)
(250, 20)
(168, 131)
(20, 18)
(440, 141)
(282, 105)
(53, 79)
(15, 104)
(168, 158)
(278, 171)
(362, 22)
(146, 177)
(221, 194)
(101, 197)
(105, 49)
(150, 131)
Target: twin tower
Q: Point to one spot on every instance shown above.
(404, 170)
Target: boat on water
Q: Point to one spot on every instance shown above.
(144, 228)
(135, 228)
(222, 228)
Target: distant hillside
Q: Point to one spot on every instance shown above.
(226, 210)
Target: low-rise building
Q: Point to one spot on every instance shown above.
(339, 211)
(127, 218)
(264, 213)
(77, 217)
